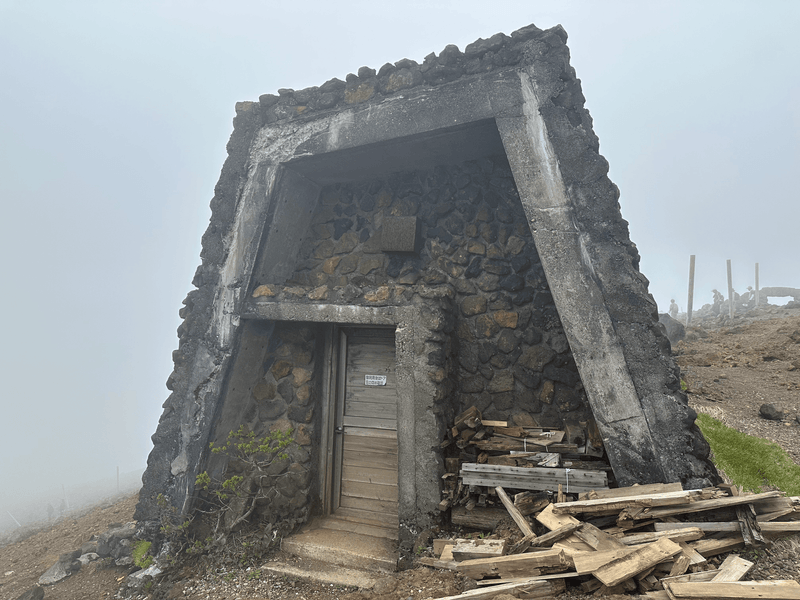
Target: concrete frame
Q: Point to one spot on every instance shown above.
(286, 153)
(414, 419)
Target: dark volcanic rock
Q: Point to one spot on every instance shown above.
(768, 411)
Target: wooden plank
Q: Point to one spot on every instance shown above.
(494, 423)
(375, 461)
(732, 526)
(472, 549)
(695, 558)
(642, 558)
(711, 547)
(636, 490)
(699, 576)
(478, 518)
(368, 517)
(531, 502)
(387, 507)
(740, 590)
(540, 437)
(587, 562)
(518, 565)
(680, 566)
(714, 504)
(369, 475)
(618, 504)
(553, 521)
(384, 444)
(521, 521)
(369, 490)
(685, 534)
(361, 528)
(499, 444)
(369, 422)
(550, 576)
(521, 586)
(364, 408)
(535, 478)
(548, 539)
(733, 568)
(597, 539)
(360, 432)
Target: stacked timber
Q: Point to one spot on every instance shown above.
(654, 540)
(532, 463)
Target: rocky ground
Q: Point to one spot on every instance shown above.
(730, 369)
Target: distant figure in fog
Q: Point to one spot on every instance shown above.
(50, 511)
(718, 300)
(673, 309)
(62, 507)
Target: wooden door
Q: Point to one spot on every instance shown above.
(365, 486)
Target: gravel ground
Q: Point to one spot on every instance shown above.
(730, 372)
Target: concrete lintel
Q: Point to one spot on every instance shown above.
(325, 313)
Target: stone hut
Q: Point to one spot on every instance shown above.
(388, 250)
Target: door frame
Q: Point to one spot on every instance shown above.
(418, 432)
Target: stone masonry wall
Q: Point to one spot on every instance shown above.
(510, 353)
(272, 387)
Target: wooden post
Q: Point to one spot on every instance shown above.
(757, 292)
(730, 290)
(691, 291)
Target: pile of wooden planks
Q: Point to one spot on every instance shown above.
(482, 455)
(650, 539)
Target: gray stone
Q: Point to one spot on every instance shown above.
(35, 593)
(473, 305)
(536, 357)
(768, 411)
(85, 559)
(673, 329)
(501, 382)
(66, 565)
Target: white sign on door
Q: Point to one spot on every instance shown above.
(374, 379)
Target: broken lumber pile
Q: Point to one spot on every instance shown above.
(653, 539)
(528, 461)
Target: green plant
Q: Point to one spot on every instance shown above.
(684, 385)
(235, 497)
(141, 554)
(749, 461)
(254, 574)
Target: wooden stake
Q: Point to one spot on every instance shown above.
(757, 289)
(691, 291)
(730, 290)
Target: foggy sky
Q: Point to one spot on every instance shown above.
(114, 118)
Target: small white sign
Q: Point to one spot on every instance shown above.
(374, 379)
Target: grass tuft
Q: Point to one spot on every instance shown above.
(748, 461)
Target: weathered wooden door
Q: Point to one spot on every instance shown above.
(365, 480)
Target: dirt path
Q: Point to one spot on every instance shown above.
(22, 563)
